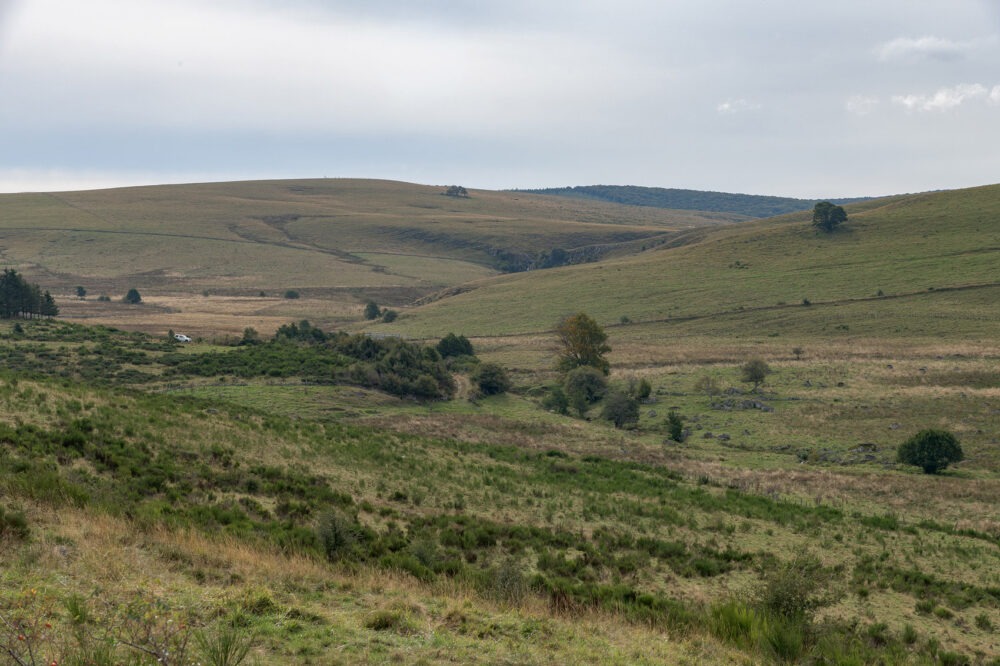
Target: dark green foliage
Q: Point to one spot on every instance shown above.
(372, 311)
(306, 351)
(18, 298)
(454, 345)
(675, 426)
(491, 379)
(132, 297)
(337, 535)
(827, 216)
(81, 292)
(621, 409)
(555, 400)
(291, 294)
(584, 386)
(583, 344)
(389, 316)
(931, 450)
(754, 371)
(457, 191)
(13, 525)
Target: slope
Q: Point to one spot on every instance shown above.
(914, 258)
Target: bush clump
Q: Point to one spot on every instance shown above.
(931, 450)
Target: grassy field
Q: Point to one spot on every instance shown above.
(146, 500)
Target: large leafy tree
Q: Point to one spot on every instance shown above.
(931, 450)
(584, 343)
(827, 216)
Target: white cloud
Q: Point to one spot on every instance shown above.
(945, 99)
(921, 48)
(861, 105)
(995, 95)
(734, 106)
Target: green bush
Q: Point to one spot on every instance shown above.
(621, 409)
(584, 386)
(931, 450)
(13, 525)
(492, 379)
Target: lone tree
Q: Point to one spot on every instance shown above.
(755, 371)
(372, 310)
(457, 191)
(826, 216)
(133, 297)
(931, 450)
(583, 344)
(81, 292)
(455, 345)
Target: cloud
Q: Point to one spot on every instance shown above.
(945, 99)
(995, 95)
(734, 106)
(861, 105)
(922, 48)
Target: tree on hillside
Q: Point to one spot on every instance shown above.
(457, 191)
(755, 371)
(827, 216)
(584, 386)
(492, 379)
(931, 450)
(19, 298)
(455, 345)
(621, 409)
(81, 292)
(133, 297)
(372, 310)
(583, 344)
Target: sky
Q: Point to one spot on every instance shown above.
(777, 97)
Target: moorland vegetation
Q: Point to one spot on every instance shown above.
(313, 494)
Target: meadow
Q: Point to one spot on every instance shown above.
(164, 498)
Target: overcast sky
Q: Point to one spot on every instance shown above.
(782, 97)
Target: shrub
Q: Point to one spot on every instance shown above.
(621, 409)
(132, 297)
(389, 316)
(337, 535)
(491, 379)
(931, 450)
(675, 426)
(291, 294)
(584, 386)
(454, 345)
(556, 401)
(13, 525)
(372, 310)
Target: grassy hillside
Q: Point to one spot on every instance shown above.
(751, 205)
(922, 266)
(334, 242)
(318, 523)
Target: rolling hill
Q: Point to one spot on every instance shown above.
(751, 205)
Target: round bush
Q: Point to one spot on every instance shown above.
(931, 450)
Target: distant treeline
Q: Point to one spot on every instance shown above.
(18, 298)
(751, 205)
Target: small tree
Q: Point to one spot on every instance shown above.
(491, 379)
(584, 386)
(826, 216)
(583, 344)
(621, 409)
(640, 389)
(291, 294)
(455, 345)
(133, 297)
(81, 292)
(389, 316)
(755, 371)
(931, 450)
(457, 191)
(556, 400)
(675, 426)
(372, 310)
